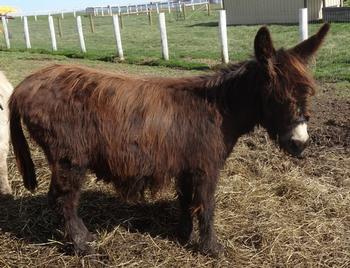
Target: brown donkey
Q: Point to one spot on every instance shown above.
(139, 133)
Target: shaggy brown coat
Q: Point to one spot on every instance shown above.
(139, 132)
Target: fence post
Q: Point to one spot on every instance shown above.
(163, 36)
(81, 35)
(26, 32)
(157, 8)
(59, 26)
(208, 8)
(52, 33)
(223, 35)
(117, 36)
(6, 32)
(169, 7)
(303, 24)
(35, 17)
(150, 21)
(92, 25)
(62, 15)
(74, 14)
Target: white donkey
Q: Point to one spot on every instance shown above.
(5, 92)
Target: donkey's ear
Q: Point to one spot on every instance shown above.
(263, 46)
(306, 49)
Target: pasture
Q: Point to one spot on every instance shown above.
(193, 43)
(272, 210)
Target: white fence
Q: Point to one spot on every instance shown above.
(222, 31)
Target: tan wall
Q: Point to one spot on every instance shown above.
(272, 11)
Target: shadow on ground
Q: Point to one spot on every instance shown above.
(29, 218)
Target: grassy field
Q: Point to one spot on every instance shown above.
(193, 43)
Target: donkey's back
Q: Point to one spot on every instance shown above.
(124, 128)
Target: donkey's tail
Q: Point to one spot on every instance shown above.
(20, 147)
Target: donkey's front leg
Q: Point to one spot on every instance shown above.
(203, 206)
(5, 188)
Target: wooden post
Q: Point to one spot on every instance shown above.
(305, 3)
(157, 8)
(59, 26)
(208, 8)
(169, 7)
(192, 5)
(81, 35)
(223, 35)
(75, 13)
(35, 17)
(323, 3)
(303, 24)
(62, 15)
(92, 25)
(6, 32)
(150, 21)
(184, 10)
(163, 36)
(117, 36)
(52, 34)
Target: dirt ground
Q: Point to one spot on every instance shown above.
(272, 210)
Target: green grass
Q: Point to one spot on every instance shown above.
(193, 43)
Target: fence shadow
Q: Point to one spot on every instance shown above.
(205, 24)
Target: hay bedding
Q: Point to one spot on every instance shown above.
(272, 210)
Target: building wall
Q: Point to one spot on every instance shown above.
(272, 11)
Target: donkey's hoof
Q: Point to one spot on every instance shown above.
(185, 236)
(213, 249)
(84, 249)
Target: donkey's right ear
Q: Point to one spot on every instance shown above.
(263, 46)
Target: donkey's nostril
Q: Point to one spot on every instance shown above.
(297, 146)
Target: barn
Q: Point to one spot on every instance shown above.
(273, 11)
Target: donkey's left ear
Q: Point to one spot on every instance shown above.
(306, 49)
(263, 46)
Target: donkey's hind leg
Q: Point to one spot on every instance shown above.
(64, 195)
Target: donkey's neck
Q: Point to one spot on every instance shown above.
(235, 92)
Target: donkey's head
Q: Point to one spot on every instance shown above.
(286, 87)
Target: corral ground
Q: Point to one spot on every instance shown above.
(272, 210)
